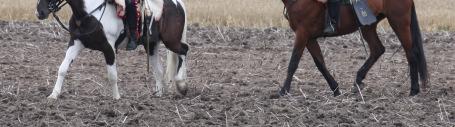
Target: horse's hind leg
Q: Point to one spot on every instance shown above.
(181, 71)
(71, 53)
(180, 63)
(315, 51)
(157, 69)
(401, 25)
(376, 50)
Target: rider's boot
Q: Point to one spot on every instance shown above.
(329, 25)
(332, 16)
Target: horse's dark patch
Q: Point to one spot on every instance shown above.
(180, 63)
(171, 26)
(184, 49)
(77, 7)
(71, 43)
(89, 31)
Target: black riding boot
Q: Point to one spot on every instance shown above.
(131, 20)
(332, 16)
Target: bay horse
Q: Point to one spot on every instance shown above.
(306, 19)
(95, 25)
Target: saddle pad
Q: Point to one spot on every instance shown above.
(363, 12)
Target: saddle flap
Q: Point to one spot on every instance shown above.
(363, 12)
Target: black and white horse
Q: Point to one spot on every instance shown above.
(95, 25)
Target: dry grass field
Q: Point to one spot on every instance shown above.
(434, 15)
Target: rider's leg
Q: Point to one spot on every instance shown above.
(131, 20)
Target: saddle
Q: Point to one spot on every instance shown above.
(363, 13)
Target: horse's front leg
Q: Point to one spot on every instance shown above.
(109, 56)
(299, 46)
(315, 51)
(71, 53)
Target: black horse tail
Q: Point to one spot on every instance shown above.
(417, 48)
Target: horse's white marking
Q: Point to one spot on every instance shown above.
(157, 71)
(112, 24)
(171, 68)
(112, 77)
(156, 7)
(71, 54)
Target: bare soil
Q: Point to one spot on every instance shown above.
(234, 75)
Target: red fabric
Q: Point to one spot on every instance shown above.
(138, 17)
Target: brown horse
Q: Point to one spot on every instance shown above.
(306, 19)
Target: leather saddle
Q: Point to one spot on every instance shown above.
(363, 12)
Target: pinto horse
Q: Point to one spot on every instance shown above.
(95, 25)
(306, 19)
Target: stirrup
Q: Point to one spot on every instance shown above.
(329, 29)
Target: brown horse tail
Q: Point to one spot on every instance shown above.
(417, 47)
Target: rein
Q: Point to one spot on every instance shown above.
(56, 6)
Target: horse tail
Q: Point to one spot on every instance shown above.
(417, 47)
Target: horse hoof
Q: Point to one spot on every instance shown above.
(414, 92)
(116, 97)
(424, 87)
(182, 89)
(336, 93)
(158, 93)
(282, 93)
(52, 96)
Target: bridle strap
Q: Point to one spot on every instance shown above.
(54, 7)
(60, 22)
